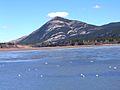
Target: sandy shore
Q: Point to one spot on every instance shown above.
(48, 48)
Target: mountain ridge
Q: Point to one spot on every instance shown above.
(61, 29)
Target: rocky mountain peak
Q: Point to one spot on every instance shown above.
(61, 29)
(58, 18)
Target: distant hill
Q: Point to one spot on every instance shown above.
(61, 30)
(18, 40)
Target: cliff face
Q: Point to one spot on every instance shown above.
(60, 29)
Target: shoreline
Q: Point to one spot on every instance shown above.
(20, 48)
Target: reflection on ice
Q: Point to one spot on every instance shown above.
(115, 67)
(46, 63)
(41, 76)
(91, 61)
(82, 75)
(36, 69)
(29, 69)
(19, 75)
(110, 67)
(97, 75)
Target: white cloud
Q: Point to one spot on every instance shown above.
(97, 6)
(60, 14)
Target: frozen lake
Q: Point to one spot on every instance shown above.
(92, 68)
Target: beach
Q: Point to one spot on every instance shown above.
(27, 47)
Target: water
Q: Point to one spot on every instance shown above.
(93, 68)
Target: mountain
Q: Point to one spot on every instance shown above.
(60, 29)
(111, 30)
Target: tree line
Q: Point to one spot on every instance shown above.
(98, 41)
(8, 45)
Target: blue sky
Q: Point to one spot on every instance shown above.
(21, 17)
